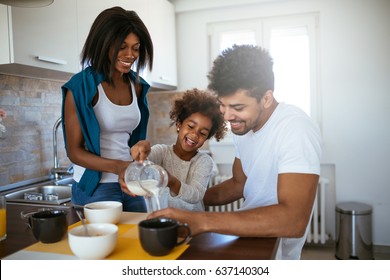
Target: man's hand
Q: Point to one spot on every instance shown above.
(194, 220)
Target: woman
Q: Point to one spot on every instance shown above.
(197, 118)
(105, 110)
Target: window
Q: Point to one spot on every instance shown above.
(290, 50)
(243, 37)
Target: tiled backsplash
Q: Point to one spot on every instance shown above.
(159, 130)
(33, 106)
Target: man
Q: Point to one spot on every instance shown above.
(277, 163)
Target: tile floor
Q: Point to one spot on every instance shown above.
(327, 252)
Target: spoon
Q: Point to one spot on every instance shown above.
(81, 207)
(80, 214)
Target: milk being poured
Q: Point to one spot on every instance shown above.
(150, 185)
(152, 188)
(136, 188)
(150, 181)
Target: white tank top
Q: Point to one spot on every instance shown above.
(116, 124)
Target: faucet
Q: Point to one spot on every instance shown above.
(57, 171)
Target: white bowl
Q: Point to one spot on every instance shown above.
(103, 212)
(99, 244)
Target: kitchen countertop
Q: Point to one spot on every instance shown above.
(206, 246)
(19, 235)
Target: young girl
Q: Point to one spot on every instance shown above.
(197, 118)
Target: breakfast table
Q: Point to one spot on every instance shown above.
(21, 245)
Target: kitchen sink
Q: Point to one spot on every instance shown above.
(64, 182)
(44, 194)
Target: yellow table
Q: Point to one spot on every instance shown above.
(128, 246)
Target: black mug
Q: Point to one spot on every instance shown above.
(49, 226)
(159, 236)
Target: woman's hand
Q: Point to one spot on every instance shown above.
(121, 177)
(140, 150)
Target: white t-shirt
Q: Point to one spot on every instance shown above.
(289, 142)
(116, 124)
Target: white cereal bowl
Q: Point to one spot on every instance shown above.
(103, 212)
(99, 244)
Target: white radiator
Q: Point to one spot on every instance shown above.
(235, 205)
(317, 232)
(220, 178)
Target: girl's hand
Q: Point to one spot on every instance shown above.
(140, 150)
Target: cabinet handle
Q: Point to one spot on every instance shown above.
(52, 60)
(162, 78)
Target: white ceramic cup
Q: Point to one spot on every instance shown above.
(103, 212)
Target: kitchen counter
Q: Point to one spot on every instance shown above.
(19, 235)
(207, 246)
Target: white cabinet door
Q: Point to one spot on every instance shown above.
(4, 35)
(46, 37)
(87, 11)
(161, 25)
(52, 37)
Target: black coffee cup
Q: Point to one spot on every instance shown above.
(49, 226)
(159, 236)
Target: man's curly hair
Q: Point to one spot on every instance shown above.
(198, 101)
(242, 67)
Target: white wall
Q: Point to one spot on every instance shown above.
(354, 86)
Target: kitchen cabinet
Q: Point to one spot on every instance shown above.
(42, 37)
(161, 25)
(4, 34)
(47, 42)
(86, 13)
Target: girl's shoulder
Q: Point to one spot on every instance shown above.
(161, 149)
(203, 157)
(162, 146)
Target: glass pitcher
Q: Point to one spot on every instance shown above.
(149, 180)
